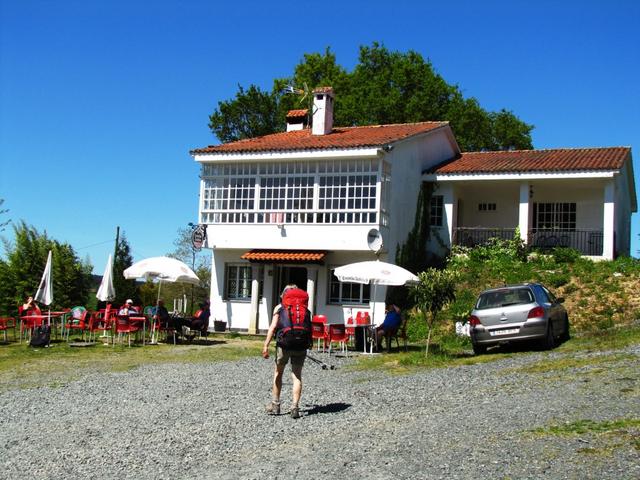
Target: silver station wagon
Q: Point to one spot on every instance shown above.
(528, 311)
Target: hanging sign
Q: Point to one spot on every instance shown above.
(199, 236)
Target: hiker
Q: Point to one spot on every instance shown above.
(296, 353)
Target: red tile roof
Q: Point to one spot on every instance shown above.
(345, 137)
(271, 256)
(297, 113)
(556, 160)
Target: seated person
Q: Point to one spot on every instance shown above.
(128, 308)
(29, 307)
(161, 314)
(392, 322)
(200, 320)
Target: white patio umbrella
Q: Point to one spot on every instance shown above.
(106, 292)
(163, 269)
(45, 289)
(375, 273)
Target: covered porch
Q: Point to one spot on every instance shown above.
(550, 212)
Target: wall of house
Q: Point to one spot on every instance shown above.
(237, 313)
(587, 194)
(409, 159)
(505, 195)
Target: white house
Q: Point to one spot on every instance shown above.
(291, 207)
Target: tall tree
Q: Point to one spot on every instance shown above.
(384, 87)
(3, 223)
(21, 272)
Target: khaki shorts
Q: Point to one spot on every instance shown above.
(297, 357)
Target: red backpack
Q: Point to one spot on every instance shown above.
(294, 325)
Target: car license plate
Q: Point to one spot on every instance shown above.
(506, 331)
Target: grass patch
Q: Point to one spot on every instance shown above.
(568, 363)
(23, 367)
(580, 427)
(608, 435)
(598, 340)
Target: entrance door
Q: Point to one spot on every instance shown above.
(287, 276)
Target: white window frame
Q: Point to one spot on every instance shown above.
(324, 192)
(243, 284)
(436, 211)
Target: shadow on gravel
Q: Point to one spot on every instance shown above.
(329, 408)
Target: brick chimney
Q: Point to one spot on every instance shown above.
(322, 111)
(297, 119)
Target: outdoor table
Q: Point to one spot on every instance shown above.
(365, 333)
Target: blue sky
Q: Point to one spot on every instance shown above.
(101, 101)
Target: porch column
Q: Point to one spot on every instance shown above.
(446, 189)
(312, 277)
(523, 212)
(255, 287)
(608, 224)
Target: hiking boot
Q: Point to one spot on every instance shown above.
(295, 412)
(273, 408)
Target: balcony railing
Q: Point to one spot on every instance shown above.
(587, 242)
(471, 237)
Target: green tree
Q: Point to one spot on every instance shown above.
(3, 211)
(384, 87)
(199, 261)
(122, 260)
(434, 291)
(22, 270)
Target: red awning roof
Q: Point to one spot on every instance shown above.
(284, 256)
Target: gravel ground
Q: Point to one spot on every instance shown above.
(200, 421)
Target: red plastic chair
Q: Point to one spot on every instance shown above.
(338, 333)
(350, 328)
(123, 326)
(28, 324)
(320, 318)
(77, 320)
(362, 318)
(7, 323)
(101, 321)
(318, 333)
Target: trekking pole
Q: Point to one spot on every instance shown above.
(321, 363)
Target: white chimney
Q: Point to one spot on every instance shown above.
(297, 120)
(322, 111)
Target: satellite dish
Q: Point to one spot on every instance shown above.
(374, 240)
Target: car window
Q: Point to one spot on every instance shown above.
(504, 298)
(548, 296)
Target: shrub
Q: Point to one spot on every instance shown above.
(565, 255)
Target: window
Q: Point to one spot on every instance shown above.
(486, 207)
(437, 209)
(338, 191)
(343, 292)
(238, 282)
(554, 216)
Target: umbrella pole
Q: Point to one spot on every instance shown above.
(153, 320)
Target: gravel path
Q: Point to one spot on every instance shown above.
(200, 421)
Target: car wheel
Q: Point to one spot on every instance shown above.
(549, 341)
(479, 349)
(565, 334)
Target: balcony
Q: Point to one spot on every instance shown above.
(587, 242)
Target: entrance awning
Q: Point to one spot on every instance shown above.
(284, 256)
